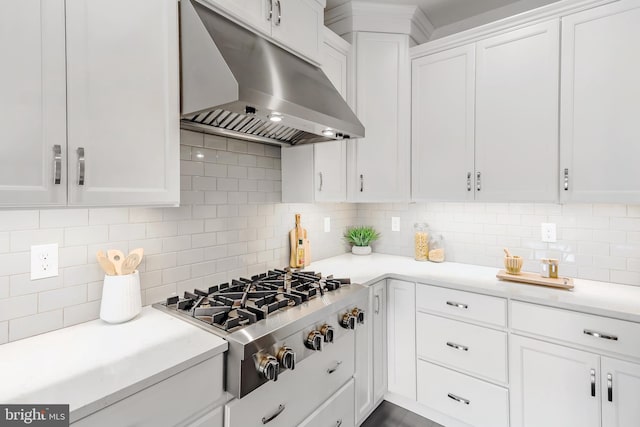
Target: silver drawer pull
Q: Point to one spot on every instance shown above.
(377, 304)
(271, 417)
(270, 10)
(80, 152)
(361, 183)
(457, 346)
(335, 368)
(339, 423)
(457, 304)
(320, 189)
(57, 164)
(458, 398)
(468, 181)
(597, 334)
(610, 387)
(279, 16)
(592, 374)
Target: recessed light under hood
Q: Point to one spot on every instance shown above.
(237, 83)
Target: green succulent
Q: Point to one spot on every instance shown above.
(361, 235)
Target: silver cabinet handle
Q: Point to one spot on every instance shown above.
(80, 151)
(468, 181)
(610, 387)
(457, 346)
(279, 16)
(597, 334)
(339, 423)
(335, 368)
(271, 417)
(566, 179)
(377, 304)
(270, 9)
(458, 398)
(457, 304)
(478, 181)
(361, 183)
(321, 181)
(57, 164)
(593, 383)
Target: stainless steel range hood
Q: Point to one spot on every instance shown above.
(237, 83)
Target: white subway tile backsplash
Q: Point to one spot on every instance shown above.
(108, 216)
(81, 313)
(174, 244)
(23, 240)
(60, 298)
(14, 263)
(55, 218)
(205, 183)
(80, 274)
(4, 332)
(215, 142)
(77, 236)
(161, 261)
(127, 232)
(33, 325)
(14, 307)
(176, 274)
(203, 240)
(72, 256)
(4, 287)
(162, 229)
(19, 220)
(5, 242)
(159, 293)
(21, 284)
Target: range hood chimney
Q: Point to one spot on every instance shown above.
(237, 83)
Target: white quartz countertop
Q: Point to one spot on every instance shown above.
(95, 364)
(600, 298)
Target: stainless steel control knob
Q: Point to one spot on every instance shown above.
(314, 340)
(358, 314)
(348, 321)
(269, 367)
(328, 332)
(287, 358)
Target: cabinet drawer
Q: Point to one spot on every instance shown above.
(472, 401)
(467, 305)
(169, 402)
(337, 411)
(296, 393)
(604, 333)
(477, 350)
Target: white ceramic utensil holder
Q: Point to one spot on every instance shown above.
(120, 298)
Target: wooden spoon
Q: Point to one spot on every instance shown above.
(506, 251)
(107, 266)
(117, 258)
(140, 253)
(130, 263)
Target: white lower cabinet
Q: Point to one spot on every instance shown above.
(620, 391)
(401, 338)
(379, 308)
(188, 398)
(337, 411)
(472, 401)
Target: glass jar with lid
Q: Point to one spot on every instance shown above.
(421, 241)
(436, 248)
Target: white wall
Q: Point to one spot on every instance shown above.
(230, 224)
(598, 242)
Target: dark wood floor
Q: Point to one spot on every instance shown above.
(390, 415)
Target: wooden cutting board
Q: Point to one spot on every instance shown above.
(536, 279)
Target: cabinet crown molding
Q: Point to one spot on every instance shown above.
(541, 14)
(380, 18)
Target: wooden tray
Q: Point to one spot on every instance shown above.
(536, 279)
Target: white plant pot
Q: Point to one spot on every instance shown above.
(361, 250)
(120, 298)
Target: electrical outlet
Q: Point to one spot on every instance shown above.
(395, 223)
(44, 261)
(327, 224)
(548, 230)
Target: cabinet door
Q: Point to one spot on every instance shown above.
(379, 305)
(443, 103)
(123, 102)
(33, 103)
(552, 385)
(381, 167)
(600, 106)
(298, 24)
(364, 364)
(256, 13)
(401, 344)
(620, 391)
(517, 115)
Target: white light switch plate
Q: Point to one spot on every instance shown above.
(327, 224)
(44, 261)
(548, 230)
(395, 223)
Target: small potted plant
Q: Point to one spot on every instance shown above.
(360, 237)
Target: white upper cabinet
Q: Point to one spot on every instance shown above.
(517, 115)
(379, 163)
(123, 102)
(32, 103)
(296, 24)
(442, 138)
(600, 107)
(318, 172)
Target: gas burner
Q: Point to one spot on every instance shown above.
(229, 306)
